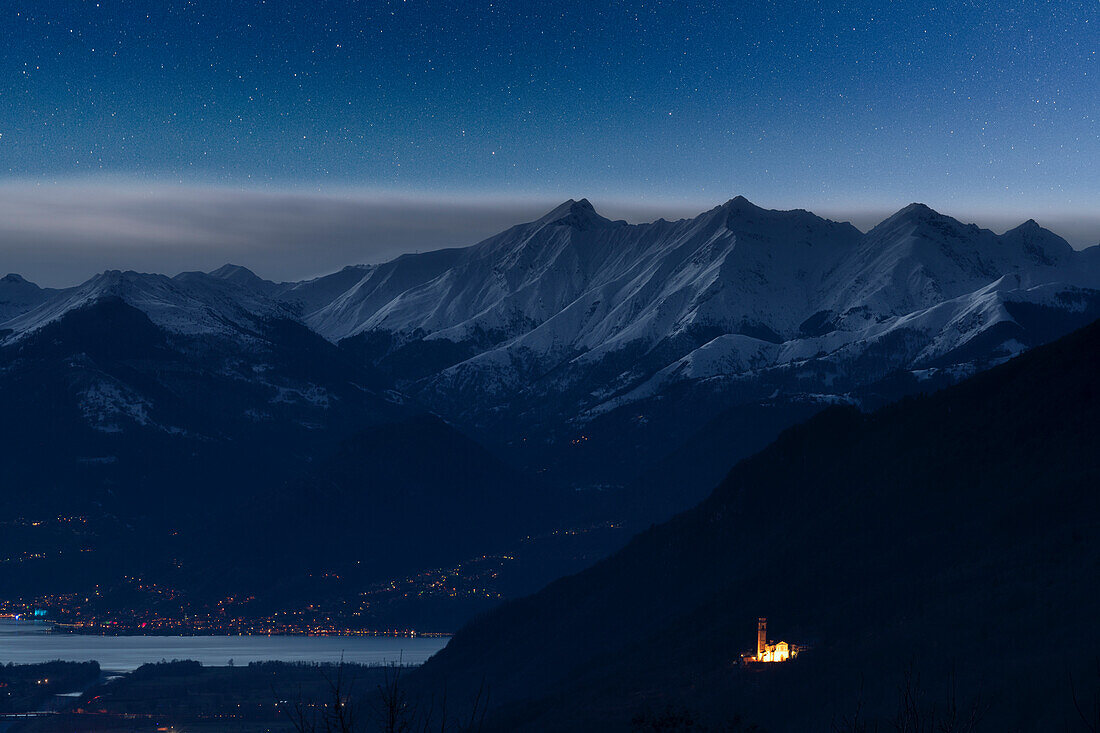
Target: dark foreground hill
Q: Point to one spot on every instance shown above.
(956, 536)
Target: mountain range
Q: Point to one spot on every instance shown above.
(610, 370)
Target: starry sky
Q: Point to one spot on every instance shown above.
(987, 110)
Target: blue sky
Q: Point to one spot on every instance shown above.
(989, 110)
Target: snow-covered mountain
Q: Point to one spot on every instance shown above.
(574, 329)
(640, 360)
(230, 300)
(18, 296)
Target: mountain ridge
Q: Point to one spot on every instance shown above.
(573, 214)
(573, 324)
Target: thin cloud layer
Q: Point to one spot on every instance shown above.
(60, 235)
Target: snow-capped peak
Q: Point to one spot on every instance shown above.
(574, 285)
(190, 303)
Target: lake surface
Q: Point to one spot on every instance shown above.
(27, 642)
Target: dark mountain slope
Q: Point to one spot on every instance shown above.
(957, 532)
(689, 473)
(267, 446)
(394, 498)
(103, 406)
(161, 442)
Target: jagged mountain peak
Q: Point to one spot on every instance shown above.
(734, 206)
(780, 227)
(567, 207)
(239, 276)
(125, 282)
(113, 278)
(230, 271)
(1027, 244)
(914, 213)
(917, 208)
(17, 295)
(740, 209)
(922, 220)
(737, 210)
(740, 203)
(1032, 228)
(577, 214)
(1037, 244)
(189, 303)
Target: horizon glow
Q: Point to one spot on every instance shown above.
(59, 235)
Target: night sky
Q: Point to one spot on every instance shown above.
(983, 109)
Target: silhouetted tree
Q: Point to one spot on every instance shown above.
(1089, 715)
(335, 716)
(915, 715)
(391, 710)
(679, 720)
(856, 722)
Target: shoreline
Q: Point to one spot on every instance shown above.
(122, 633)
(19, 627)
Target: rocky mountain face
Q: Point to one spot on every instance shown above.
(588, 349)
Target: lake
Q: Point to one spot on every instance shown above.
(28, 642)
